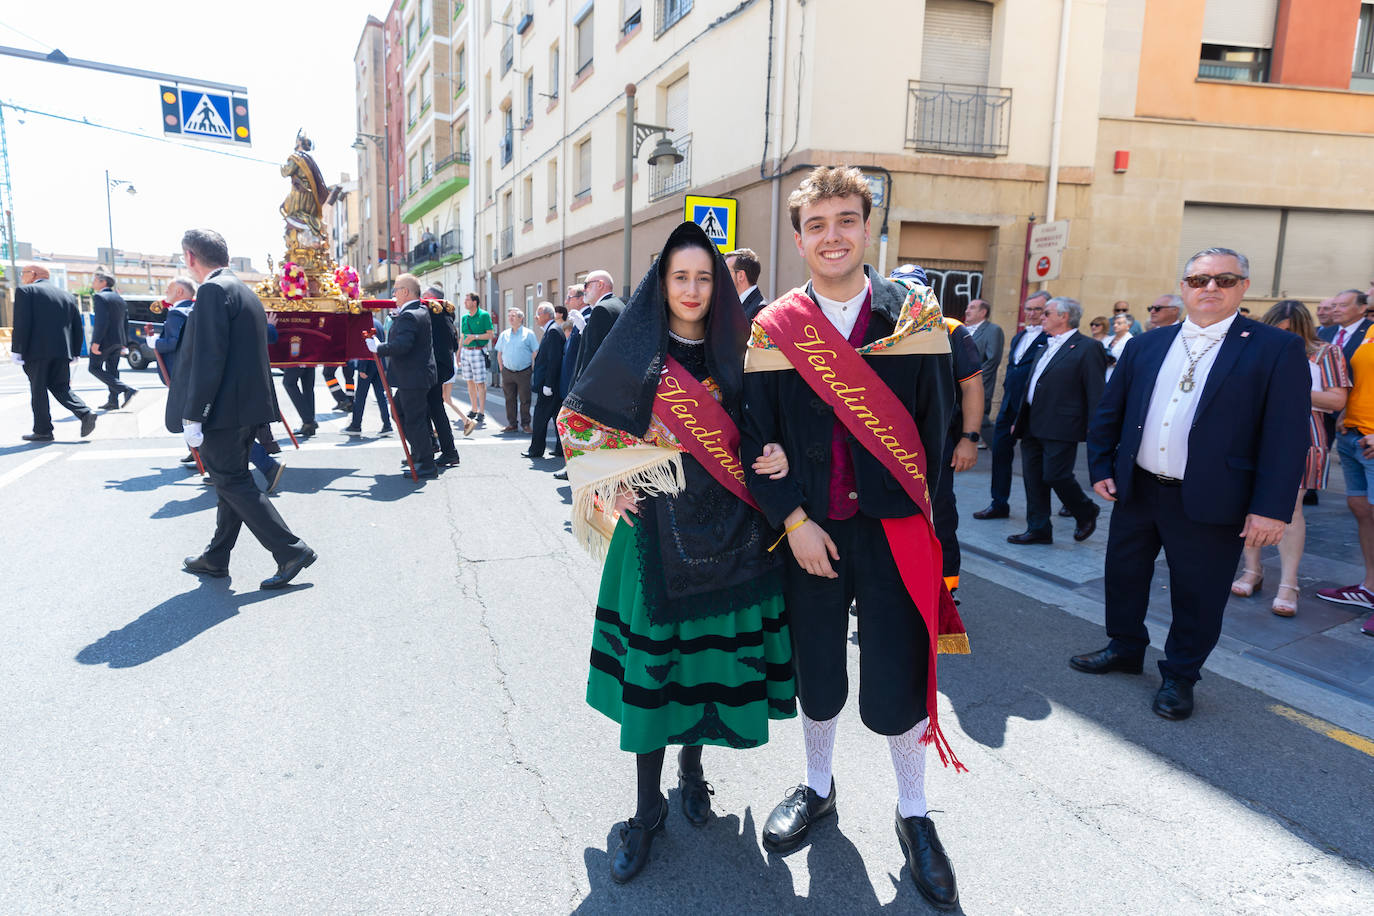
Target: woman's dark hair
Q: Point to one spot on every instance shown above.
(560, 312)
(1299, 321)
(685, 242)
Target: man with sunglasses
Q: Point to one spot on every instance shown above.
(1122, 307)
(1165, 312)
(1200, 440)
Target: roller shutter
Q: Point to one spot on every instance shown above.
(1253, 231)
(957, 43)
(1240, 23)
(1324, 253)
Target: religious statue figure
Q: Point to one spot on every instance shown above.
(303, 208)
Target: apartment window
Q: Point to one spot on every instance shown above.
(486, 13)
(460, 66)
(629, 15)
(486, 178)
(507, 135)
(427, 159)
(584, 168)
(413, 169)
(412, 37)
(529, 98)
(462, 144)
(367, 207)
(486, 93)
(426, 88)
(669, 12)
(583, 26)
(1237, 38)
(424, 18)
(553, 70)
(553, 185)
(412, 106)
(1240, 65)
(527, 201)
(1364, 42)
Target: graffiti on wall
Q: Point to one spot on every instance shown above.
(955, 288)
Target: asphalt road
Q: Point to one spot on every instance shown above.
(403, 731)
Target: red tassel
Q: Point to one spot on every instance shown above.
(936, 737)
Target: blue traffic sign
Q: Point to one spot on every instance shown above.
(203, 114)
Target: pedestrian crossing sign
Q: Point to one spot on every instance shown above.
(203, 114)
(717, 218)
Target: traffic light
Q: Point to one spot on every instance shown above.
(171, 110)
(240, 115)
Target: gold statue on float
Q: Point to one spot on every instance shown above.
(307, 238)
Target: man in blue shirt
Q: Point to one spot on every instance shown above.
(515, 350)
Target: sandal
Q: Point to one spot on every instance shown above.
(1286, 608)
(1243, 589)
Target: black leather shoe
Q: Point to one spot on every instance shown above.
(994, 511)
(87, 424)
(449, 461)
(128, 396)
(1064, 512)
(1175, 699)
(1084, 530)
(201, 567)
(306, 431)
(788, 825)
(636, 839)
(929, 864)
(560, 475)
(696, 796)
(111, 404)
(427, 471)
(289, 570)
(189, 459)
(1106, 660)
(532, 455)
(37, 437)
(1031, 537)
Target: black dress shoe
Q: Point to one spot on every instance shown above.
(201, 567)
(1031, 537)
(929, 864)
(449, 460)
(1084, 530)
(1175, 699)
(560, 475)
(1064, 512)
(993, 511)
(111, 404)
(788, 825)
(37, 437)
(306, 431)
(636, 839)
(1106, 660)
(532, 455)
(289, 570)
(189, 459)
(88, 424)
(426, 471)
(128, 396)
(696, 795)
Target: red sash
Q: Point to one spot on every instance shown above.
(700, 423)
(883, 426)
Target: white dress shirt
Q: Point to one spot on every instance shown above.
(973, 326)
(1169, 419)
(1027, 339)
(1052, 346)
(843, 315)
(1346, 332)
(748, 292)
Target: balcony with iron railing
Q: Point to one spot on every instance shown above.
(507, 242)
(432, 253)
(957, 118)
(508, 55)
(668, 13)
(665, 181)
(1236, 71)
(438, 182)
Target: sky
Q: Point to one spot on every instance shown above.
(295, 58)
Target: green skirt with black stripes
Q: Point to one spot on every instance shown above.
(713, 680)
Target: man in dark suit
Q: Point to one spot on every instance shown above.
(409, 352)
(1062, 393)
(1200, 440)
(1349, 323)
(221, 394)
(601, 310)
(443, 337)
(990, 341)
(546, 379)
(1025, 348)
(744, 270)
(109, 338)
(47, 342)
(180, 297)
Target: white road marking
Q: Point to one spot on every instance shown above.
(37, 461)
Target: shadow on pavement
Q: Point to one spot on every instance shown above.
(153, 481)
(170, 625)
(310, 480)
(25, 447)
(204, 499)
(390, 487)
(1316, 788)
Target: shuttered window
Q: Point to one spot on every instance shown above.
(957, 44)
(675, 118)
(1253, 231)
(1324, 252)
(1240, 23)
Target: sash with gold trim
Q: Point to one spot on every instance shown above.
(702, 426)
(792, 333)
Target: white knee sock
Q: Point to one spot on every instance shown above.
(820, 753)
(909, 763)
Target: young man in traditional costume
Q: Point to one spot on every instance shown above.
(689, 646)
(852, 375)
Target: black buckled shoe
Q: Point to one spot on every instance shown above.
(929, 864)
(202, 567)
(790, 822)
(1106, 660)
(696, 796)
(636, 839)
(1175, 699)
(289, 570)
(993, 511)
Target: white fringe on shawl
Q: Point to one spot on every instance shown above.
(599, 475)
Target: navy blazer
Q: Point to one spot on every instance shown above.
(109, 321)
(1018, 374)
(1352, 341)
(548, 362)
(47, 323)
(1248, 444)
(1067, 392)
(409, 349)
(170, 338)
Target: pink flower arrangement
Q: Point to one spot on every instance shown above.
(293, 281)
(347, 278)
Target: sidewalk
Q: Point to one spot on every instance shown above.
(1322, 644)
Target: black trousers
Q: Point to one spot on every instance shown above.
(944, 511)
(893, 645)
(545, 409)
(434, 407)
(1202, 561)
(225, 455)
(368, 376)
(300, 388)
(413, 406)
(105, 367)
(51, 376)
(1003, 450)
(1047, 464)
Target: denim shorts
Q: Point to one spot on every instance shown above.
(1358, 470)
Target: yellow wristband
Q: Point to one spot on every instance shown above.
(793, 527)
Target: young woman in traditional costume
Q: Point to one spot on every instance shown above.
(690, 646)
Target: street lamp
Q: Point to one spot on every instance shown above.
(110, 184)
(385, 147)
(663, 152)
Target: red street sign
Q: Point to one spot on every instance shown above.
(1042, 266)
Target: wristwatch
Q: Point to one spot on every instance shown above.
(972, 437)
